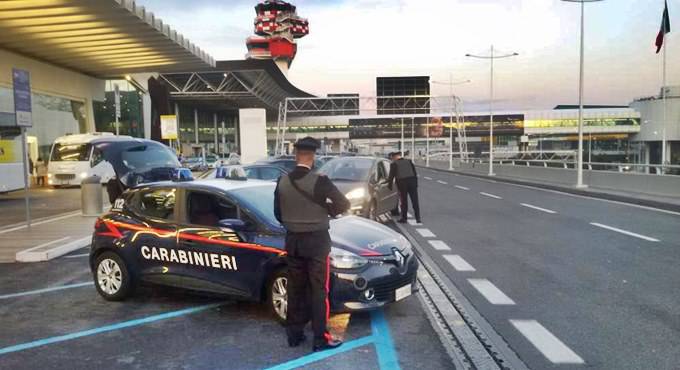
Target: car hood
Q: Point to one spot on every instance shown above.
(347, 186)
(365, 237)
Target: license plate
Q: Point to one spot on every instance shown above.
(402, 292)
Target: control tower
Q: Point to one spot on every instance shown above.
(277, 25)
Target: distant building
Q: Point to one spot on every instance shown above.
(403, 87)
(652, 126)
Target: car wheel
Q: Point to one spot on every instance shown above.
(111, 277)
(277, 295)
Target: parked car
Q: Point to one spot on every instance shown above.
(363, 180)
(265, 172)
(221, 236)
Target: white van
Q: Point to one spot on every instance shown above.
(73, 158)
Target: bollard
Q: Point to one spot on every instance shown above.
(91, 198)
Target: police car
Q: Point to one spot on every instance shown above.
(221, 236)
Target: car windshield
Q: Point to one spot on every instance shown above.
(259, 199)
(144, 157)
(347, 169)
(70, 152)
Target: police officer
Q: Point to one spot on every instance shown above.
(300, 204)
(404, 172)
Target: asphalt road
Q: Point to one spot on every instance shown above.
(44, 202)
(69, 326)
(567, 281)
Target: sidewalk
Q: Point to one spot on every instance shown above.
(662, 202)
(46, 239)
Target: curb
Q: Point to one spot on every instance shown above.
(46, 252)
(565, 189)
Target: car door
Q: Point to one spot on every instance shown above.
(222, 259)
(390, 197)
(153, 243)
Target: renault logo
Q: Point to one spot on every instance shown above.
(399, 257)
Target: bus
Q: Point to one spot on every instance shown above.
(11, 165)
(73, 158)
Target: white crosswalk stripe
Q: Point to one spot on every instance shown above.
(491, 292)
(426, 233)
(548, 344)
(459, 263)
(439, 245)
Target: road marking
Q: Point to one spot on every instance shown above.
(45, 290)
(384, 346)
(490, 195)
(491, 292)
(426, 233)
(107, 328)
(40, 222)
(413, 222)
(318, 356)
(77, 255)
(442, 182)
(538, 208)
(458, 262)
(439, 245)
(46, 244)
(647, 238)
(548, 344)
(461, 187)
(428, 178)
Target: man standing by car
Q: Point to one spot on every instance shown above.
(404, 172)
(300, 204)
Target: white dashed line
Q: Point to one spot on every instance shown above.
(461, 187)
(413, 222)
(491, 292)
(459, 263)
(643, 237)
(426, 233)
(428, 178)
(538, 208)
(490, 195)
(442, 182)
(439, 245)
(548, 344)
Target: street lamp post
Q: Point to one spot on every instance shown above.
(491, 57)
(579, 169)
(453, 106)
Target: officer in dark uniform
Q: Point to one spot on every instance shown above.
(404, 172)
(301, 205)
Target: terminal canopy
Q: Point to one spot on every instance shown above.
(102, 38)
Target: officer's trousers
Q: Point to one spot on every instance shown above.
(308, 283)
(408, 188)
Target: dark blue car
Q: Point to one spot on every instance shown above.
(221, 236)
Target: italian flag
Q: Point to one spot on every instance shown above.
(665, 28)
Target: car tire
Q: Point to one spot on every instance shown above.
(112, 278)
(277, 295)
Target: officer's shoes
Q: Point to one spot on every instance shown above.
(328, 344)
(296, 341)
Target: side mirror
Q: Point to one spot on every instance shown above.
(234, 224)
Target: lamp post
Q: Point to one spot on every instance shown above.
(579, 169)
(491, 57)
(453, 106)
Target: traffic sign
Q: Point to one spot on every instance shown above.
(169, 127)
(22, 97)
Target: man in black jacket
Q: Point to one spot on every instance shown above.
(301, 205)
(404, 172)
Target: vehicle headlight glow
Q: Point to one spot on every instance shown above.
(49, 175)
(358, 193)
(83, 175)
(342, 259)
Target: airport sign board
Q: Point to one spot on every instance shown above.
(22, 97)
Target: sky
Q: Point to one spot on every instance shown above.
(351, 42)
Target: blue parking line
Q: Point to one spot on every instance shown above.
(318, 356)
(107, 328)
(384, 346)
(45, 290)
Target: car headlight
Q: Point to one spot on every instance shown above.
(359, 193)
(49, 175)
(342, 259)
(83, 175)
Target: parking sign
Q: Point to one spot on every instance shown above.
(22, 97)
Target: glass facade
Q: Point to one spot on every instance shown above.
(131, 120)
(206, 129)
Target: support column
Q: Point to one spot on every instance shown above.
(215, 131)
(223, 148)
(196, 125)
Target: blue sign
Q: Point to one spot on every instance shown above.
(22, 97)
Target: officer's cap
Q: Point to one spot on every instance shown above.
(307, 143)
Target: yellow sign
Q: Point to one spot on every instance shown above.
(7, 151)
(169, 127)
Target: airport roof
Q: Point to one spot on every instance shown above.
(103, 38)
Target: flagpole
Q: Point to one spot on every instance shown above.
(665, 110)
